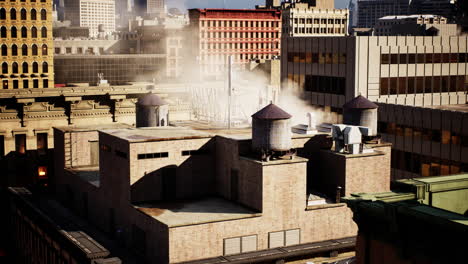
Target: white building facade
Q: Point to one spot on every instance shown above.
(98, 16)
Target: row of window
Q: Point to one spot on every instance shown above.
(239, 23)
(425, 165)
(35, 84)
(423, 84)
(445, 137)
(23, 14)
(319, 21)
(157, 155)
(25, 67)
(24, 50)
(413, 58)
(320, 58)
(236, 245)
(32, 1)
(238, 35)
(24, 32)
(79, 50)
(20, 143)
(320, 30)
(320, 84)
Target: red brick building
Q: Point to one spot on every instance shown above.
(243, 33)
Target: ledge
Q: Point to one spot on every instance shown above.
(324, 206)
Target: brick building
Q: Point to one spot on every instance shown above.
(189, 193)
(243, 33)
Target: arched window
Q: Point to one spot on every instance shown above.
(24, 50)
(35, 67)
(25, 67)
(3, 33)
(34, 50)
(14, 67)
(14, 32)
(43, 32)
(33, 14)
(23, 14)
(14, 50)
(45, 67)
(24, 32)
(4, 67)
(2, 13)
(44, 49)
(13, 14)
(43, 14)
(33, 32)
(4, 50)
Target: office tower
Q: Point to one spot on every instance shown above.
(305, 19)
(371, 10)
(245, 34)
(97, 15)
(26, 44)
(419, 83)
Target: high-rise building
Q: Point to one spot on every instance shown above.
(304, 19)
(26, 44)
(243, 33)
(155, 7)
(97, 15)
(420, 84)
(414, 25)
(371, 10)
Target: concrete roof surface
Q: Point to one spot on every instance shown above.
(134, 135)
(183, 213)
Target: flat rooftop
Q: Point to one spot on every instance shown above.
(87, 173)
(186, 130)
(193, 212)
(134, 135)
(93, 127)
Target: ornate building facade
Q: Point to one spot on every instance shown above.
(27, 46)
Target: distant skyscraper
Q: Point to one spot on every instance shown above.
(371, 10)
(155, 7)
(97, 15)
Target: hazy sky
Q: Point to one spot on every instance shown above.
(184, 4)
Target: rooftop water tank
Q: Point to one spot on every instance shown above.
(271, 130)
(151, 111)
(361, 112)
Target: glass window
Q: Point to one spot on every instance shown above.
(20, 143)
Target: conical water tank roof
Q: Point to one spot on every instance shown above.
(151, 99)
(360, 102)
(272, 112)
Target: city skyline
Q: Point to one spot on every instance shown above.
(187, 4)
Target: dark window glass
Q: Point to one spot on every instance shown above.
(385, 58)
(33, 14)
(411, 58)
(393, 85)
(45, 83)
(419, 84)
(436, 84)
(25, 84)
(35, 83)
(420, 58)
(384, 86)
(3, 32)
(394, 58)
(428, 84)
(429, 58)
(403, 58)
(4, 67)
(14, 50)
(20, 143)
